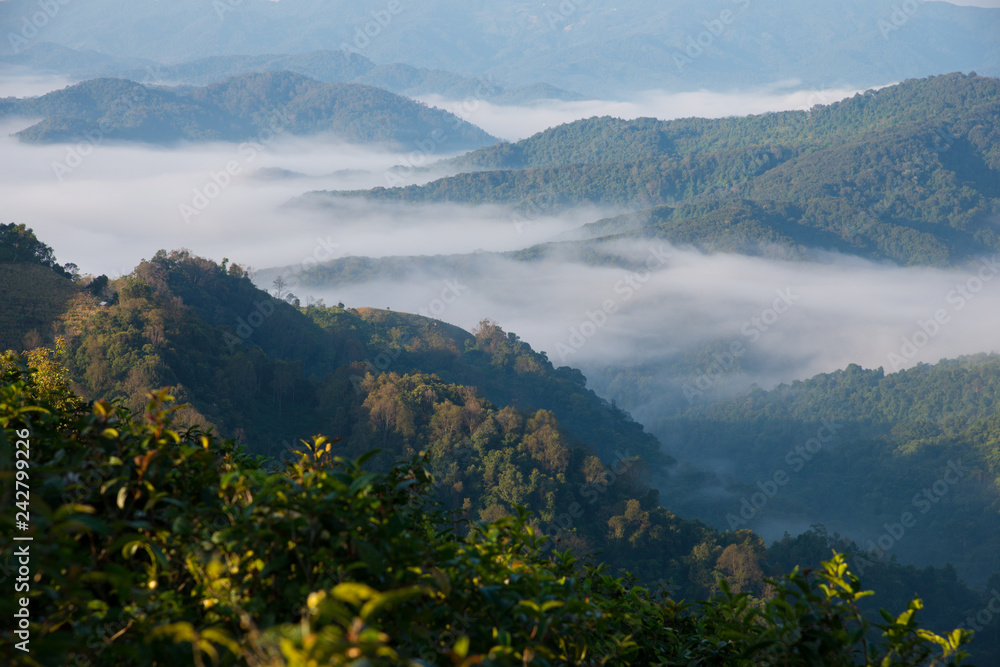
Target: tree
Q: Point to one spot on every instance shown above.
(19, 245)
(279, 287)
(98, 285)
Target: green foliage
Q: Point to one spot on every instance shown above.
(250, 107)
(19, 245)
(816, 621)
(896, 436)
(165, 546)
(909, 173)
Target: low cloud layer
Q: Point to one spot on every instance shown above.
(665, 332)
(514, 123)
(784, 320)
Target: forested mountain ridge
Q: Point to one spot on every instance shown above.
(322, 559)
(940, 99)
(525, 435)
(909, 173)
(898, 436)
(238, 109)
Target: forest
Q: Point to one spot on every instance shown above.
(240, 108)
(501, 445)
(909, 173)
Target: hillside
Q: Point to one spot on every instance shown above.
(322, 559)
(500, 427)
(239, 109)
(34, 301)
(909, 173)
(896, 435)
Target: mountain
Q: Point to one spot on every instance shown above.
(922, 440)
(322, 558)
(237, 109)
(908, 173)
(330, 66)
(495, 425)
(591, 48)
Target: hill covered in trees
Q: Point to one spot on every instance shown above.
(909, 173)
(923, 440)
(240, 108)
(156, 544)
(498, 430)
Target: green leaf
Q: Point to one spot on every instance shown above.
(353, 592)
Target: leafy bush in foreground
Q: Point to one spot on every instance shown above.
(159, 546)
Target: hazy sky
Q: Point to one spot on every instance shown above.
(973, 3)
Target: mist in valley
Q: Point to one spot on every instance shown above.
(659, 330)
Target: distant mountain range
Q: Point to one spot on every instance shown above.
(240, 108)
(596, 49)
(330, 66)
(910, 173)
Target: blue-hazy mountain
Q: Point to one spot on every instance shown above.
(237, 108)
(581, 45)
(336, 66)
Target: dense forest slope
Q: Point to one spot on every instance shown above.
(153, 544)
(909, 173)
(499, 427)
(239, 109)
(925, 440)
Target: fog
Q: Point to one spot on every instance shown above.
(837, 310)
(515, 122)
(105, 206)
(660, 329)
(641, 337)
(16, 81)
